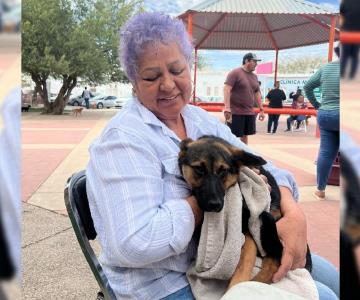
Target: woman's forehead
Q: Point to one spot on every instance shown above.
(156, 54)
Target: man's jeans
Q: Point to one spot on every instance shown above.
(87, 103)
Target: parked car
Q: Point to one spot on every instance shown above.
(102, 101)
(79, 100)
(121, 101)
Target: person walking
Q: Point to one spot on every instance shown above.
(241, 91)
(86, 95)
(327, 77)
(349, 20)
(275, 97)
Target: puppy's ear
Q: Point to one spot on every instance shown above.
(184, 144)
(183, 159)
(243, 158)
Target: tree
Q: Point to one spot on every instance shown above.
(302, 65)
(202, 62)
(71, 39)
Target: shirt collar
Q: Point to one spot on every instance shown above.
(191, 119)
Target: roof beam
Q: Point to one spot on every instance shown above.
(316, 21)
(266, 26)
(211, 30)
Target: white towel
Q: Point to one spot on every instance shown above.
(221, 237)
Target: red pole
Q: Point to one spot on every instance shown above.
(276, 64)
(189, 23)
(331, 38)
(195, 69)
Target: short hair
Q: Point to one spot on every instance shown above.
(296, 97)
(147, 28)
(337, 50)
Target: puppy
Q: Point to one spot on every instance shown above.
(77, 111)
(210, 166)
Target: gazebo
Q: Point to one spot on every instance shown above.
(259, 25)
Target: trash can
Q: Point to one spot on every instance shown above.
(334, 177)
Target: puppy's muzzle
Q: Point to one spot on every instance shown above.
(210, 195)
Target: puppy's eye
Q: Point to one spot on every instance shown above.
(222, 172)
(199, 170)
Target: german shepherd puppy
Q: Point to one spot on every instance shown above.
(210, 165)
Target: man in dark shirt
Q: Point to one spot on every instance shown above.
(349, 21)
(275, 97)
(241, 90)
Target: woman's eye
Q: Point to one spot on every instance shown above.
(150, 79)
(177, 72)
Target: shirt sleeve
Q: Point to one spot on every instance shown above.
(135, 224)
(311, 84)
(231, 78)
(282, 177)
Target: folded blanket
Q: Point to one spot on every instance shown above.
(221, 237)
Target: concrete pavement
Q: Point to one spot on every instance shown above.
(54, 147)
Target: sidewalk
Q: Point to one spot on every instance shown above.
(54, 147)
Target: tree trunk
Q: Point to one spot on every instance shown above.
(56, 107)
(40, 82)
(69, 82)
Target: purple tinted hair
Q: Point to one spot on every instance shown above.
(146, 28)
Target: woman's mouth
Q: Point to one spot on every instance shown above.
(169, 99)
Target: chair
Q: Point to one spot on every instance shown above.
(302, 126)
(77, 206)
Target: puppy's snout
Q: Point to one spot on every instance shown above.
(214, 206)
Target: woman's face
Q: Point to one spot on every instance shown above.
(163, 82)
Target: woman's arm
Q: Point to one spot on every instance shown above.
(135, 224)
(292, 232)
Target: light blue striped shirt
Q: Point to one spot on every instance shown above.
(137, 200)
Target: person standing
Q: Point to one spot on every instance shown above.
(349, 20)
(328, 78)
(241, 91)
(86, 95)
(275, 97)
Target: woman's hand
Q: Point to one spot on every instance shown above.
(292, 232)
(263, 177)
(198, 213)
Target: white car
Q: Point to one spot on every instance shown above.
(120, 101)
(102, 101)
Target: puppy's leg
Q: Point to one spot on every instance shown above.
(246, 262)
(268, 268)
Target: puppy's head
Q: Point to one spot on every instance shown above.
(210, 166)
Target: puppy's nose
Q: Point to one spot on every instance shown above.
(214, 206)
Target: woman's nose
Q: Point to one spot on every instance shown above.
(167, 83)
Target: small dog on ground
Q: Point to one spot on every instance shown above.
(25, 108)
(210, 165)
(77, 111)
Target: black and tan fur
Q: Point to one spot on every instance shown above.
(210, 165)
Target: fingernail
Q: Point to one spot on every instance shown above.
(275, 280)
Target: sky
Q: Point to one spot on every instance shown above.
(225, 60)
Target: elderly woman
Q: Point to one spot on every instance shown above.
(143, 210)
